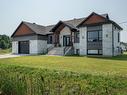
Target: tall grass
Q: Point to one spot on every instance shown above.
(16, 80)
(5, 51)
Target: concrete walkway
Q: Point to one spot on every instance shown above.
(9, 56)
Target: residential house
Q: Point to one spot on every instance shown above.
(93, 35)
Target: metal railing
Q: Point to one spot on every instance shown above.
(66, 49)
(50, 48)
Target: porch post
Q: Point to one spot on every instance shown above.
(71, 39)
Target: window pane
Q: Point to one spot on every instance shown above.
(76, 39)
(92, 51)
(100, 35)
(100, 51)
(93, 36)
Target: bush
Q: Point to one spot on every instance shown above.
(5, 42)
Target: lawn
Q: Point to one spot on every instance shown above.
(63, 75)
(91, 65)
(5, 51)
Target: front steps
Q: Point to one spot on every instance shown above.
(61, 51)
(56, 51)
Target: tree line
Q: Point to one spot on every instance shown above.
(5, 42)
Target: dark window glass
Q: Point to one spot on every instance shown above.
(118, 37)
(77, 51)
(94, 36)
(100, 51)
(76, 38)
(50, 39)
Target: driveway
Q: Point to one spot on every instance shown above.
(9, 56)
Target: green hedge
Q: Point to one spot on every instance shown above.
(15, 80)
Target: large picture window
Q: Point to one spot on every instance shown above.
(94, 36)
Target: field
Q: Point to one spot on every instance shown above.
(68, 75)
(90, 65)
(5, 51)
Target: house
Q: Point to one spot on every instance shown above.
(93, 35)
(123, 46)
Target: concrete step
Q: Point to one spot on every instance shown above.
(56, 51)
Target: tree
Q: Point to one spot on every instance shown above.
(5, 42)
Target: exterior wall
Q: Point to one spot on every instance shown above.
(65, 31)
(107, 40)
(38, 46)
(49, 45)
(116, 43)
(25, 38)
(94, 19)
(42, 46)
(76, 46)
(33, 47)
(15, 47)
(83, 41)
(30, 37)
(23, 30)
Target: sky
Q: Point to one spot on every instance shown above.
(48, 12)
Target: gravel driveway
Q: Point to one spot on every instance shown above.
(9, 56)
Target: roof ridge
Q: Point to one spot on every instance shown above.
(33, 23)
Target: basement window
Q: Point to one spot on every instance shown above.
(94, 52)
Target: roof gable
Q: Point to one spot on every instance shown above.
(22, 30)
(94, 19)
(60, 25)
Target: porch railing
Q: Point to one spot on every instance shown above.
(50, 48)
(67, 49)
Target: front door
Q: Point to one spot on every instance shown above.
(66, 40)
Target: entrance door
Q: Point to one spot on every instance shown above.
(24, 47)
(66, 40)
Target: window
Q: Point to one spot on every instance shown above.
(50, 39)
(94, 36)
(118, 37)
(77, 51)
(94, 52)
(76, 37)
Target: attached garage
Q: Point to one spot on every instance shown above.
(23, 47)
(29, 38)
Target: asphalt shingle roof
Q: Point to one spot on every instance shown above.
(44, 30)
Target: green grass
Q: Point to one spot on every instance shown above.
(5, 51)
(68, 75)
(91, 65)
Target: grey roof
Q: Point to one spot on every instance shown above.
(71, 26)
(44, 30)
(38, 29)
(105, 15)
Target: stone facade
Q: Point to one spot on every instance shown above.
(83, 41)
(15, 47)
(107, 40)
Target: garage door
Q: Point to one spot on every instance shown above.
(24, 47)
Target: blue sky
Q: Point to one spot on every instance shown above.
(46, 12)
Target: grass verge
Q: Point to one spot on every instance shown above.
(17, 80)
